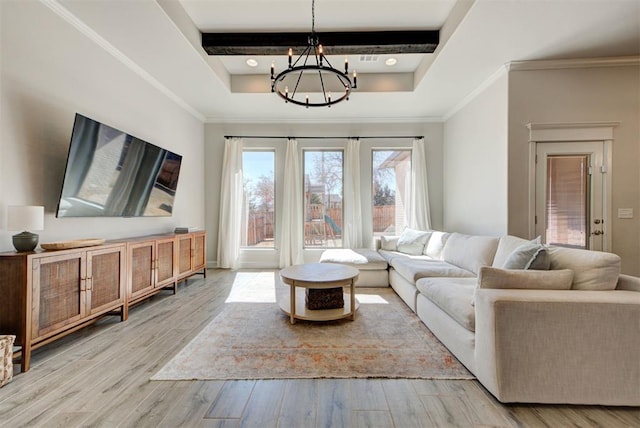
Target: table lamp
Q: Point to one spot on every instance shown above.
(24, 217)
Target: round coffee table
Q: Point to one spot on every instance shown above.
(318, 275)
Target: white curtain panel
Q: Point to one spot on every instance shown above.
(419, 213)
(231, 199)
(291, 239)
(352, 222)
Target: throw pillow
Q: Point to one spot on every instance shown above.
(490, 277)
(594, 270)
(528, 256)
(436, 244)
(412, 241)
(389, 243)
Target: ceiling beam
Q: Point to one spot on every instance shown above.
(334, 43)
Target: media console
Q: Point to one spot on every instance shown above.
(45, 295)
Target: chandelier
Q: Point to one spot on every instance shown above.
(315, 67)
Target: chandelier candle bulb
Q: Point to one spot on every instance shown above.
(355, 79)
(346, 65)
(290, 55)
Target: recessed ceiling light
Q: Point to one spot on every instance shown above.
(252, 62)
(391, 61)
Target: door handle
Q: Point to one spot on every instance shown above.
(597, 232)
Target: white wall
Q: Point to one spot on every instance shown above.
(475, 164)
(50, 71)
(214, 150)
(606, 94)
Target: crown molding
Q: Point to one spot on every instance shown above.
(627, 61)
(77, 23)
(263, 121)
(557, 64)
(502, 71)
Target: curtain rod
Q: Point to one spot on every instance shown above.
(319, 138)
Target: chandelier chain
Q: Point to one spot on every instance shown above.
(313, 17)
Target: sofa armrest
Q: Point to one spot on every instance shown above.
(559, 346)
(628, 282)
(377, 243)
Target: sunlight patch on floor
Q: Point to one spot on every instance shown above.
(253, 287)
(371, 299)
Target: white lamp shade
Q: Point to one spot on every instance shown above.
(25, 218)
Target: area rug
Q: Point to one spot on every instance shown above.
(256, 341)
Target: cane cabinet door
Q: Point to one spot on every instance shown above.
(58, 292)
(199, 251)
(185, 261)
(141, 269)
(165, 256)
(105, 279)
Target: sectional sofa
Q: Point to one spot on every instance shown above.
(533, 323)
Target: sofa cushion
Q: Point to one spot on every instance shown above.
(361, 258)
(389, 243)
(593, 270)
(414, 269)
(412, 241)
(423, 284)
(470, 252)
(452, 295)
(490, 277)
(435, 244)
(528, 256)
(506, 245)
(390, 255)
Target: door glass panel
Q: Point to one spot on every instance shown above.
(323, 180)
(567, 202)
(258, 215)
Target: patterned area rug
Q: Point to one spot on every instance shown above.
(256, 341)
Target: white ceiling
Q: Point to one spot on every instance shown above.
(331, 15)
(160, 40)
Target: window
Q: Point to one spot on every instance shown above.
(391, 176)
(258, 215)
(323, 179)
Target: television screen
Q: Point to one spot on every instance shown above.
(110, 173)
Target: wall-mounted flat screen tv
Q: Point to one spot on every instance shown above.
(110, 173)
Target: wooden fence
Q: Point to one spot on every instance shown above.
(259, 227)
(260, 224)
(384, 217)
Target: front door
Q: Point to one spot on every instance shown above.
(570, 194)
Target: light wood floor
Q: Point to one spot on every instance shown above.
(99, 377)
